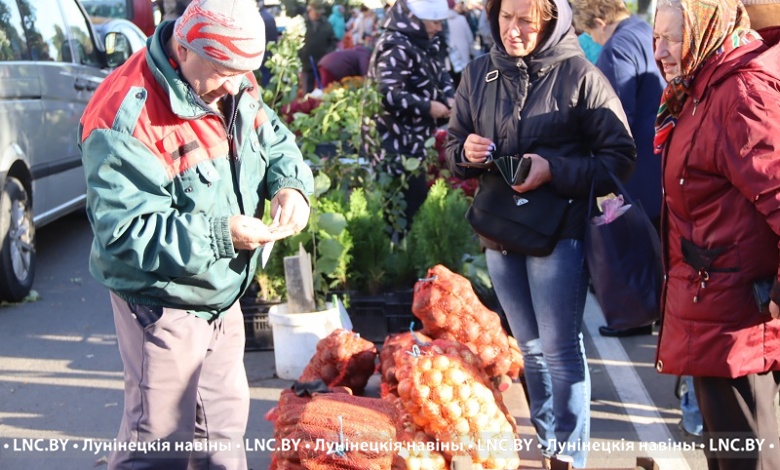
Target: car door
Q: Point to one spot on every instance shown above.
(20, 109)
(68, 63)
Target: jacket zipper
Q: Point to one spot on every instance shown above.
(233, 152)
(519, 108)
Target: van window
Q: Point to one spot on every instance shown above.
(13, 44)
(48, 34)
(79, 29)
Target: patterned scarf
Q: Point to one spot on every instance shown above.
(710, 27)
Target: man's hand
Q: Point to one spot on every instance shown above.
(294, 209)
(249, 233)
(774, 310)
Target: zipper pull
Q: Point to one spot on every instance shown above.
(695, 105)
(704, 276)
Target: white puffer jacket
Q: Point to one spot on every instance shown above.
(460, 41)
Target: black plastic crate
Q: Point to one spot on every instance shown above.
(398, 312)
(368, 317)
(257, 327)
(400, 323)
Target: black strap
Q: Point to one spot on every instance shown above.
(492, 101)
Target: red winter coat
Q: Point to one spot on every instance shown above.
(721, 182)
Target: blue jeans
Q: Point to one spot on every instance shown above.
(691, 416)
(544, 300)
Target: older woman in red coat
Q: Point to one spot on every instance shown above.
(718, 131)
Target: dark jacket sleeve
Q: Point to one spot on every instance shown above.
(605, 128)
(618, 66)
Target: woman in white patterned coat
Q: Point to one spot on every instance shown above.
(416, 90)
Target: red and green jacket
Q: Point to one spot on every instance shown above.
(165, 173)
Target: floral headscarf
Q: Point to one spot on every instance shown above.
(710, 27)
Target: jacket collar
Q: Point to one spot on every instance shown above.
(627, 23)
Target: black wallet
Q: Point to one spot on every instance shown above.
(514, 169)
(761, 291)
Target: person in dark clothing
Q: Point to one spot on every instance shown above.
(344, 63)
(318, 41)
(556, 109)
(271, 35)
(626, 59)
(415, 90)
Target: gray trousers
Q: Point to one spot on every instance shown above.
(186, 392)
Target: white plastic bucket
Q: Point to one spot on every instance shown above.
(296, 336)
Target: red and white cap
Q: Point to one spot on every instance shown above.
(228, 32)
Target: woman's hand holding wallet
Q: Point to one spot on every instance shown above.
(537, 176)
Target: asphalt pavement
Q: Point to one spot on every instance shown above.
(61, 377)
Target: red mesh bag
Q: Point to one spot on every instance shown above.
(392, 344)
(451, 398)
(285, 416)
(342, 358)
(359, 432)
(446, 304)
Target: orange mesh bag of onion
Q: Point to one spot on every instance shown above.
(393, 343)
(334, 431)
(450, 397)
(285, 416)
(449, 308)
(342, 358)
(417, 450)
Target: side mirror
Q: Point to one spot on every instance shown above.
(117, 49)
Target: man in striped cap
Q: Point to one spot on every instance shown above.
(180, 156)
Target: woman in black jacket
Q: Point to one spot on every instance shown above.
(554, 108)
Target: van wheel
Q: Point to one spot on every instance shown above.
(17, 242)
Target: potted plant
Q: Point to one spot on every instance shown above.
(360, 243)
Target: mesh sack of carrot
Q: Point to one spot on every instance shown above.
(335, 431)
(342, 358)
(451, 398)
(449, 308)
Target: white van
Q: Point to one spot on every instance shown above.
(51, 62)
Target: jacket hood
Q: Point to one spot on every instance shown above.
(557, 29)
(762, 56)
(401, 19)
(771, 35)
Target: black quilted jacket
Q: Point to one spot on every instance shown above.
(553, 103)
